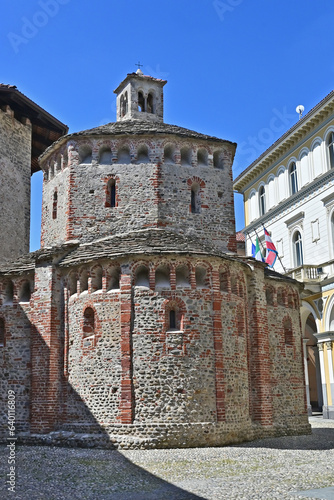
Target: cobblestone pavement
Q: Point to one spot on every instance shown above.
(266, 469)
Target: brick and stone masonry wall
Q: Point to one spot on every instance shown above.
(148, 194)
(15, 167)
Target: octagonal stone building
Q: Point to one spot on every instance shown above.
(136, 324)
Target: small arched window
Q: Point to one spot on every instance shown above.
(88, 322)
(298, 249)
(25, 292)
(172, 319)
(169, 154)
(142, 277)
(202, 157)
(142, 154)
(330, 146)
(270, 296)
(182, 277)
(201, 278)
(293, 178)
(55, 205)
(123, 155)
(9, 293)
(85, 154)
(124, 104)
(162, 277)
(113, 278)
(150, 103)
(111, 194)
(105, 156)
(2, 332)
(262, 200)
(195, 203)
(141, 102)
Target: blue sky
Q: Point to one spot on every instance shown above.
(236, 69)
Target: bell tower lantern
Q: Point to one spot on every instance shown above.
(140, 97)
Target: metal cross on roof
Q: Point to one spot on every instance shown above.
(139, 65)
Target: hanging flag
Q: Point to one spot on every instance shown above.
(256, 252)
(271, 249)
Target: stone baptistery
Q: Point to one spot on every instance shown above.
(140, 324)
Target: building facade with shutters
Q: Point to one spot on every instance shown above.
(137, 324)
(290, 190)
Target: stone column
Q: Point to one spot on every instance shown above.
(323, 379)
(330, 411)
(307, 384)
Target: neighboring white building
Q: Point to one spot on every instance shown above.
(290, 190)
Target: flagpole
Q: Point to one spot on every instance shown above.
(279, 258)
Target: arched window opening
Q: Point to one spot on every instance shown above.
(25, 292)
(150, 103)
(288, 333)
(85, 154)
(89, 322)
(270, 296)
(111, 194)
(182, 277)
(298, 249)
(124, 104)
(262, 200)
(162, 277)
(330, 146)
(186, 157)
(142, 277)
(141, 102)
(97, 274)
(169, 154)
(65, 158)
(73, 284)
(172, 319)
(59, 163)
(55, 205)
(83, 281)
(105, 157)
(123, 155)
(317, 160)
(202, 157)
(195, 203)
(201, 277)
(2, 332)
(9, 293)
(293, 178)
(223, 278)
(113, 278)
(218, 159)
(142, 154)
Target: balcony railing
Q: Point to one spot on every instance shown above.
(311, 273)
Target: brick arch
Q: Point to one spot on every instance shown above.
(82, 270)
(281, 296)
(135, 267)
(75, 275)
(224, 278)
(97, 325)
(196, 180)
(108, 181)
(170, 304)
(95, 279)
(24, 289)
